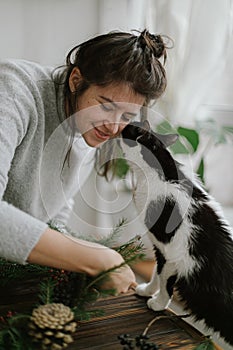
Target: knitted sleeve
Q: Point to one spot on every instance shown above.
(19, 232)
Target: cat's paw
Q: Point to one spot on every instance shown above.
(144, 289)
(157, 303)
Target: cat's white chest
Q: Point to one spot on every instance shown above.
(149, 187)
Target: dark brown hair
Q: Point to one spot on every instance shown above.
(118, 57)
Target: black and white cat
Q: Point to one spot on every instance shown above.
(193, 243)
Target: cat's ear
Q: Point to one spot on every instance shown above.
(168, 139)
(146, 125)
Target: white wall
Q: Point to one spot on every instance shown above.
(45, 30)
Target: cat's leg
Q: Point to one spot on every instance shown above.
(148, 289)
(167, 278)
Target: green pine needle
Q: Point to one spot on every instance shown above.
(46, 291)
(206, 345)
(13, 333)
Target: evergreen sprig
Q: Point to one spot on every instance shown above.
(108, 241)
(13, 333)
(46, 291)
(132, 250)
(12, 271)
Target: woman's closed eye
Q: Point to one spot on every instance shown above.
(126, 119)
(107, 107)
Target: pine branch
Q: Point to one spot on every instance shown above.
(111, 238)
(10, 271)
(132, 250)
(46, 291)
(13, 335)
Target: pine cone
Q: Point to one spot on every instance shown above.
(52, 326)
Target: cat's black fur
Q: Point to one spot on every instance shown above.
(192, 240)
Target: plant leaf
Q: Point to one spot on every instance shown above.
(191, 135)
(228, 132)
(179, 147)
(228, 129)
(121, 167)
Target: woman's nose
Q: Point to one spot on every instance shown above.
(112, 127)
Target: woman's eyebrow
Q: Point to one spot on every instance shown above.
(115, 105)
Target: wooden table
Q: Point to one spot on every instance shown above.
(129, 314)
(126, 313)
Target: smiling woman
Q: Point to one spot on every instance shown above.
(104, 84)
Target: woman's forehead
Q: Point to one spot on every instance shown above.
(120, 93)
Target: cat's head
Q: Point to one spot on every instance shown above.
(140, 133)
(140, 144)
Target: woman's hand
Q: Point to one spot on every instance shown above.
(122, 280)
(66, 252)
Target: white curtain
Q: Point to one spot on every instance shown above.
(200, 59)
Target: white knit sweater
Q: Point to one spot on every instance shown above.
(34, 185)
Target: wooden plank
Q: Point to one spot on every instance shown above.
(129, 314)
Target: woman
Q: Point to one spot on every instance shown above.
(43, 112)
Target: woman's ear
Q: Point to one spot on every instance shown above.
(74, 79)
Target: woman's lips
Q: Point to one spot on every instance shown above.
(101, 135)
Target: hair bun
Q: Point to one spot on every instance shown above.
(155, 43)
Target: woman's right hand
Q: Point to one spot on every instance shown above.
(66, 252)
(101, 259)
(121, 280)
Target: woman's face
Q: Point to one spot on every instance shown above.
(103, 112)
